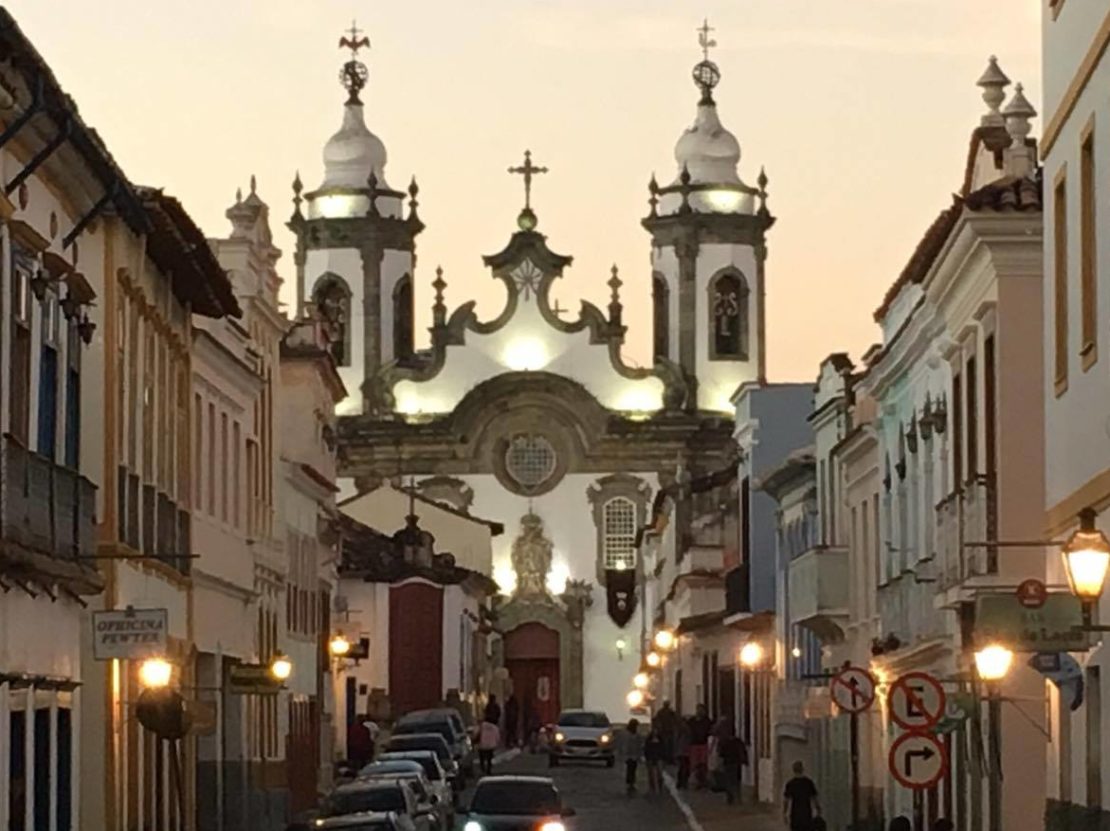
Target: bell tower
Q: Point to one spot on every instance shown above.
(708, 254)
(355, 250)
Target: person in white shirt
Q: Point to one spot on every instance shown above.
(489, 737)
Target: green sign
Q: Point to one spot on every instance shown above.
(958, 709)
(251, 679)
(1054, 627)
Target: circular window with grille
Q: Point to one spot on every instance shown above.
(530, 461)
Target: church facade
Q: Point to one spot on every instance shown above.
(532, 419)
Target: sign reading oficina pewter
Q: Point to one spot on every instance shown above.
(129, 634)
(1051, 627)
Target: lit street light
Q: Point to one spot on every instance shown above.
(635, 699)
(281, 667)
(751, 654)
(654, 660)
(155, 673)
(664, 640)
(993, 662)
(1086, 560)
(640, 680)
(339, 646)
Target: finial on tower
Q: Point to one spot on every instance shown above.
(527, 219)
(354, 73)
(706, 73)
(993, 82)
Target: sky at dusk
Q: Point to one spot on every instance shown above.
(860, 110)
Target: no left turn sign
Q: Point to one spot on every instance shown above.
(917, 760)
(853, 689)
(916, 701)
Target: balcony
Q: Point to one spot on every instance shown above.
(47, 510)
(819, 591)
(152, 523)
(969, 514)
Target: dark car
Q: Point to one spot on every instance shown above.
(516, 803)
(425, 741)
(433, 770)
(447, 723)
(374, 796)
(365, 822)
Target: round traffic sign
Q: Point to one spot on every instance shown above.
(1032, 593)
(917, 760)
(916, 701)
(853, 689)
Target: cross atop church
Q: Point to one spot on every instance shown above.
(527, 170)
(704, 41)
(354, 42)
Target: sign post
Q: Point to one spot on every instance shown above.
(853, 690)
(917, 760)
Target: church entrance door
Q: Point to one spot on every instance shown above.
(415, 646)
(532, 659)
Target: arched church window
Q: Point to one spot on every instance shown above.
(619, 533)
(728, 306)
(530, 460)
(332, 300)
(402, 318)
(661, 315)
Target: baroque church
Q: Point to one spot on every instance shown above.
(530, 419)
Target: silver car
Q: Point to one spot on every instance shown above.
(582, 734)
(433, 771)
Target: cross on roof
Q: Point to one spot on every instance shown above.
(704, 41)
(526, 170)
(354, 42)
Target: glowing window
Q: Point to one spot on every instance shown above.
(619, 533)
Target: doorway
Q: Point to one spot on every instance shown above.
(532, 659)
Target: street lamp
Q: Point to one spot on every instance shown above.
(640, 680)
(339, 645)
(155, 673)
(665, 640)
(992, 662)
(1086, 560)
(622, 645)
(751, 654)
(281, 667)
(653, 659)
(635, 699)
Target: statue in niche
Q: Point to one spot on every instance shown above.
(531, 558)
(729, 309)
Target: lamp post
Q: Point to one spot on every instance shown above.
(992, 663)
(752, 658)
(1086, 560)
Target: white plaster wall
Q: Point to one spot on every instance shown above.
(368, 617)
(454, 603)
(1065, 42)
(347, 263)
(149, 591)
(223, 623)
(718, 380)
(528, 342)
(39, 636)
(1077, 444)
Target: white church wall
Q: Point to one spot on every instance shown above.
(528, 342)
(718, 380)
(575, 556)
(347, 263)
(454, 604)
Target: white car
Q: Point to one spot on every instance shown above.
(438, 781)
(413, 773)
(582, 734)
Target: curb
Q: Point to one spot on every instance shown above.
(682, 804)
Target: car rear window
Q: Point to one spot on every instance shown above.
(583, 720)
(371, 799)
(515, 798)
(431, 767)
(435, 744)
(443, 728)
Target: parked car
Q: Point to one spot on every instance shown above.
(433, 771)
(449, 724)
(413, 773)
(374, 796)
(427, 741)
(581, 734)
(366, 822)
(516, 803)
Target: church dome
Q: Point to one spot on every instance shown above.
(709, 151)
(353, 153)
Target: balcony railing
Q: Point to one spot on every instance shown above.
(152, 523)
(818, 581)
(969, 514)
(47, 509)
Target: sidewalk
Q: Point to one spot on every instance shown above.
(708, 811)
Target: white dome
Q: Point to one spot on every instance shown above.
(352, 153)
(708, 150)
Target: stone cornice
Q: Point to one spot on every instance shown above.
(738, 229)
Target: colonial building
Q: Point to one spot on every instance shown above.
(55, 262)
(1076, 309)
(537, 416)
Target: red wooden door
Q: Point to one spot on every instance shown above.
(415, 647)
(532, 658)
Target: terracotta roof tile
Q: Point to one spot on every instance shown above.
(923, 256)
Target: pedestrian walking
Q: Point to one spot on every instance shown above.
(667, 722)
(492, 712)
(631, 751)
(654, 756)
(732, 755)
(700, 728)
(489, 738)
(512, 720)
(799, 801)
(360, 743)
(682, 753)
